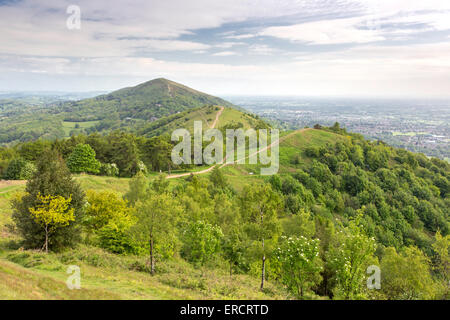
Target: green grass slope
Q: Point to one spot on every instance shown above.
(29, 274)
(228, 117)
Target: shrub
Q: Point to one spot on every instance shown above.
(201, 242)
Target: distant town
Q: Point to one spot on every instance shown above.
(419, 126)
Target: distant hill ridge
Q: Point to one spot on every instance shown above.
(149, 100)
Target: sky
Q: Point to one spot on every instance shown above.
(348, 48)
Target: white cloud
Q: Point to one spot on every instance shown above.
(229, 44)
(261, 49)
(325, 32)
(240, 36)
(225, 53)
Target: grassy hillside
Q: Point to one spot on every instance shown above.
(128, 109)
(34, 275)
(153, 99)
(29, 274)
(225, 116)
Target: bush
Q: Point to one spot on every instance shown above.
(82, 159)
(201, 242)
(117, 241)
(19, 169)
(109, 169)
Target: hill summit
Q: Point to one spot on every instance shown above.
(150, 100)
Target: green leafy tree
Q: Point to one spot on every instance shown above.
(351, 254)
(109, 217)
(82, 159)
(233, 248)
(260, 205)
(19, 169)
(115, 236)
(406, 275)
(52, 178)
(299, 224)
(160, 184)
(139, 188)
(104, 207)
(299, 264)
(441, 247)
(51, 213)
(218, 179)
(124, 152)
(157, 153)
(201, 241)
(157, 215)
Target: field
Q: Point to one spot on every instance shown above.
(68, 126)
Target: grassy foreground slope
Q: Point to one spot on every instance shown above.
(29, 274)
(34, 275)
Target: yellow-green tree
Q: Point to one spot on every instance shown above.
(109, 217)
(406, 275)
(103, 207)
(441, 248)
(51, 213)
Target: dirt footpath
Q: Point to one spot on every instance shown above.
(8, 183)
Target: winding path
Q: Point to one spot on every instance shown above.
(219, 113)
(224, 160)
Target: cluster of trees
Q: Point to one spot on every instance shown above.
(403, 197)
(116, 154)
(260, 230)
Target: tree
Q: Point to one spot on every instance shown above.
(157, 153)
(160, 184)
(351, 254)
(52, 212)
(218, 179)
(82, 159)
(124, 153)
(52, 178)
(201, 241)
(260, 205)
(156, 217)
(299, 263)
(234, 247)
(441, 247)
(104, 207)
(299, 224)
(19, 169)
(406, 275)
(139, 187)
